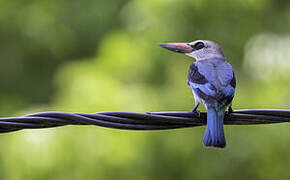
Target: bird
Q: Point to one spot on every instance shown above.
(212, 81)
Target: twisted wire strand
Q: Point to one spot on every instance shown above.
(139, 121)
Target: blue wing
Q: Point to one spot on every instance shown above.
(212, 80)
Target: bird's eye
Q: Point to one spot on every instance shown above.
(199, 45)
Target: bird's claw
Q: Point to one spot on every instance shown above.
(196, 113)
(230, 110)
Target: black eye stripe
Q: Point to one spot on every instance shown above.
(198, 45)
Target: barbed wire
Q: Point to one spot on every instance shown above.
(139, 121)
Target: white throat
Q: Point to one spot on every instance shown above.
(204, 54)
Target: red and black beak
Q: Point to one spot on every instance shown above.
(178, 47)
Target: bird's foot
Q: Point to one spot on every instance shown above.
(196, 113)
(230, 110)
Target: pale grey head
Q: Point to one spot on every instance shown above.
(199, 49)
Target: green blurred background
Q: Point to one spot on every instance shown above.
(104, 55)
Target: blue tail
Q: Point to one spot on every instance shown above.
(214, 134)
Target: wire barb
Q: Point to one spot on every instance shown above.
(139, 121)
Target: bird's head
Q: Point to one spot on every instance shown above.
(199, 49)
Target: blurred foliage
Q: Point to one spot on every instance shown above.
(88, 56)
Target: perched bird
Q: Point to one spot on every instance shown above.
(213, 83)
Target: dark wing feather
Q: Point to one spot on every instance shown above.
(194, 76)
(233, 81)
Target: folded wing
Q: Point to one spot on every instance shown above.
(213, 81)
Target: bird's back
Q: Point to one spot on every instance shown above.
(213, 81)
(218, 72)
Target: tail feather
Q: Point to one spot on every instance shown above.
(214, 134)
